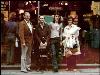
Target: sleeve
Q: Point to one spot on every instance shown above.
(49, 33)
(50, 26)
(5, 28)
(37, 36)
(77, 34)
(61, 31)
(21, 33)
(74, 30)
(64, 33)
(16, 29)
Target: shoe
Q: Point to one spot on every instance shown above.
(75, 70)
(42, 71)
(28, 69)
(55, 70)
(24, 71)
(37, 70)
(66, 69)
(8, 64)
(46, 69)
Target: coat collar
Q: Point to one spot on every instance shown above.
(43, 25)
(27, 25)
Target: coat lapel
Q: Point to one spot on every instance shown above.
(26, 26)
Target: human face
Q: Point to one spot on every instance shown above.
(27, 16)
(69, 22)
(75, 21)
(41, 19)
(56, 17)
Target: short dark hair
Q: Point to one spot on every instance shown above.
(26, 12)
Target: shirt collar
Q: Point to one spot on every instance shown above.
(27, 21)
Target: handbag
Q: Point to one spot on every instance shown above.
(75, 47)
(73, 50)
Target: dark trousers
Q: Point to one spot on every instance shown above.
(71, 62)
(39, 59)
(36, 59)
(43, 59)
(10, 51)
(35, 54)
(55, 48)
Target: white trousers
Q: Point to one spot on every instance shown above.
(25, 58)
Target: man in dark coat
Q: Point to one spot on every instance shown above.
(43, 39)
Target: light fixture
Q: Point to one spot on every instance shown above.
(61, 3)
(45, 5)
(66, 3)
(34, 1)
(29, 1)
(26, 3)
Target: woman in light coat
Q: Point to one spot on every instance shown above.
(71, 33)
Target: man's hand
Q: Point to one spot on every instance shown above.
(45, 43)
(24, 45)
(41, 44)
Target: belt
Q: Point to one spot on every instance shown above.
(56, 38)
